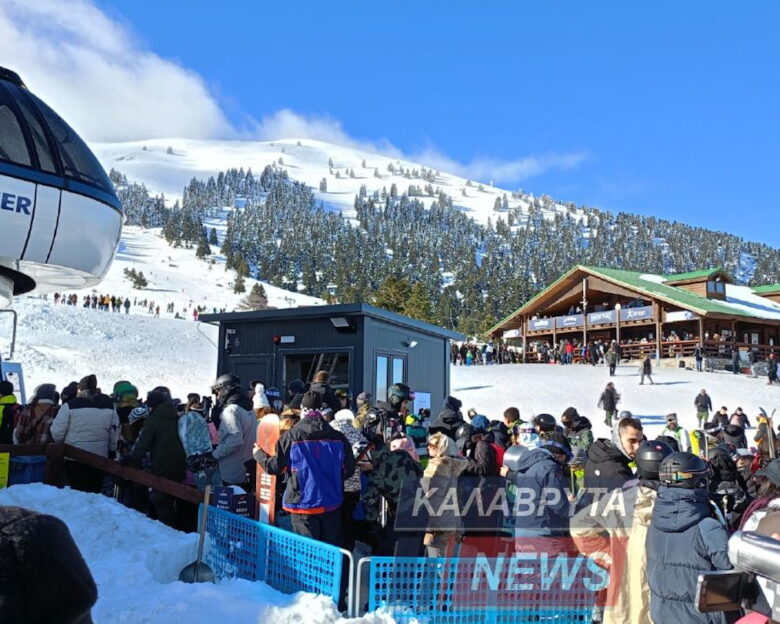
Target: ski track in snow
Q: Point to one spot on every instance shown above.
(136, 562)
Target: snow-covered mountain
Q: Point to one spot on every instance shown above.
(167, 165)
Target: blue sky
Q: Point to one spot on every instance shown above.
(671, 108)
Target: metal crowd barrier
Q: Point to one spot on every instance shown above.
(240, 547)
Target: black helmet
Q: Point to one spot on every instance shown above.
(464, 432)
(684, 470)
(649, 456)
(398, 393)
(570, 417)
(226, 382)
(545, 422)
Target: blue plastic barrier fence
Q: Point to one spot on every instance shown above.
(471, 591)
(239, 547)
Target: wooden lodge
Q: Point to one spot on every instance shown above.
(699, 308)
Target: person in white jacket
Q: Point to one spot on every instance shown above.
(88, 422)
(236, 433)
(674, 430)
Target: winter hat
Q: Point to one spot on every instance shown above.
(273, 393)
(444, 444)
(46, 394)
(259, 400)
(88, 383)
(529, 439)
(405, 444)
(344, 414)
(6, 388)
(123, 389)
(557, 443)
(480, 423)
(771, 471)
(452, 403)
(296, 387)
(311, 400)
(138, 413)
(671, 417)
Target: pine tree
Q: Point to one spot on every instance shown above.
(239, 285)
(169, 150)
(419, 305)
(364, 163)
(203, 248)
(255, 300)
(213, 237)
(392, 294)
(323, 186)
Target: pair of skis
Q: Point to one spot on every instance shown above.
(770, 427)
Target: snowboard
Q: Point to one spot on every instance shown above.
(195, 438)
(265, 489)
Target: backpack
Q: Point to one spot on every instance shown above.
(499, 453)
(10, 417)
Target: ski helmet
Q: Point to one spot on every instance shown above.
(398, 393)
(648, 458)
(684, 470)
(544, 422)
(570, 417)
(464, 432)
(226, 382)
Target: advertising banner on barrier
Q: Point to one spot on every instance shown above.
(644, 313)
(602, 318)
(571, 320)
(539, 324)
(681, 315)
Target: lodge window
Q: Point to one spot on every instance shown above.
(716, 288)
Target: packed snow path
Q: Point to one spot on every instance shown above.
(551, 388)
(136, 562)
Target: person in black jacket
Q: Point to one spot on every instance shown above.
(720, 419)
(477, 447)
(43, 577)
(608, 402)
(318, 459)
(160, 438)
(449, 418)
(703, 404)
(321, 387)
(608, 460)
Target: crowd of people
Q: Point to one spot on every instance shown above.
(344, 465)
(119, 304)
(472, 354)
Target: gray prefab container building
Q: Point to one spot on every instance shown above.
(362, 347)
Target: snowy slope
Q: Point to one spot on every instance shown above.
(136, 562)
(176, 276)
(547, 388)
(59, 344)
(307, 162)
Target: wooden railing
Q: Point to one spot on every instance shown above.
(57, 454)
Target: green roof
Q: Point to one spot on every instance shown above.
(654, 287)
(679, 296)
(769, 288)
(703, 274)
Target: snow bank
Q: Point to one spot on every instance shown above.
(136, 562)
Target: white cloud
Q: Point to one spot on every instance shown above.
(103, 81)
(70, 54)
